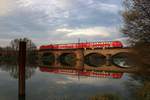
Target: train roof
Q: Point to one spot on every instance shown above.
(80, 42)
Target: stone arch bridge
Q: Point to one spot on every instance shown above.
(84, 59)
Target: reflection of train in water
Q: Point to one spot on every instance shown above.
(108, 44)
(82, 73)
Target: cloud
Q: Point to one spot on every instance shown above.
(106, 7)
(25, 3)
(125, 41)
(94, 31)
(54, 21)
(64, 30)
(52, 8)
(5, 7)
(4, 42)
(88, 80)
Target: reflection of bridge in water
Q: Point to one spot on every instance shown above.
(108, 56)
(99, 74)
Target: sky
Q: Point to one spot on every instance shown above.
(60, 21)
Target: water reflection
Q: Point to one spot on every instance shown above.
(100, 74)
(13, 70)
(123, 60)
(50, 84)
(140, 91)
(21, 98)
(108, 96)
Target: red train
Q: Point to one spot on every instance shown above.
(107, 44)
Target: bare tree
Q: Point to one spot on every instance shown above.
(31, 49)
(137, 27)
(14, 44)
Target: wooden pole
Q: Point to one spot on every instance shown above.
(22, 62)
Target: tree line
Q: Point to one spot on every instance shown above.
(136, 26)
(10, 53)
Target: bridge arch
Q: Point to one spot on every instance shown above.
(48, 58)
(123, 60)
(94, 59)
(68, 59)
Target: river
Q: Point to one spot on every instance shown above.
(42, 85)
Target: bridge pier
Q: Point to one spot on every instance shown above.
(108, 59)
